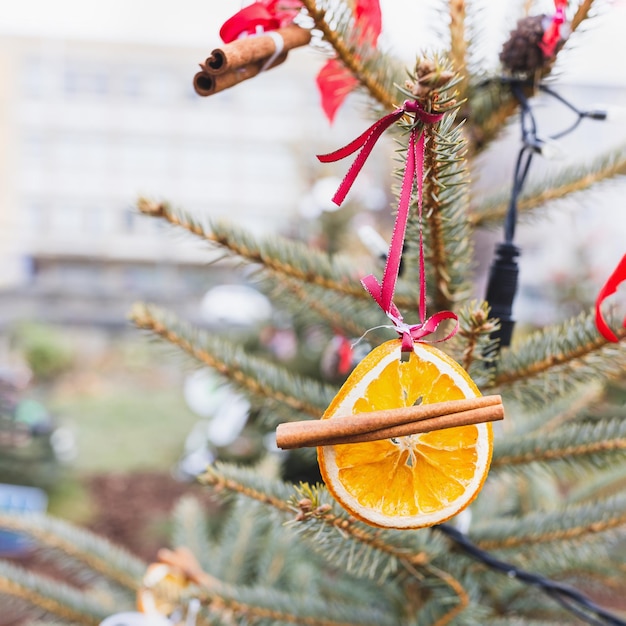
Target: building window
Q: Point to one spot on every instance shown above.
(87, 81)
(32, 77)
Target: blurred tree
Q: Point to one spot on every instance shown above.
(551, 515)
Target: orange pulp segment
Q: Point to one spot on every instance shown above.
(416, 480)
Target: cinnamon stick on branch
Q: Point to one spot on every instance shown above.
(209, 84)
(242, 52)
(389, 423)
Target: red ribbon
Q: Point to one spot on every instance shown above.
(249, 21)
(345, 353)
(383, 292)
(615, 279)
(552, 34)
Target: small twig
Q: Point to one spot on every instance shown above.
(390, 423)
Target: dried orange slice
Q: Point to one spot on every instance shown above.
(412, 481)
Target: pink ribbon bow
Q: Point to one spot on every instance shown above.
(382, 292)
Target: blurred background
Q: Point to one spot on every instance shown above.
(97, 108)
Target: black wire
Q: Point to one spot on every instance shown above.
(567, 596)
(519, 177)
(579, 114)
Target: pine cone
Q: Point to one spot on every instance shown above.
(521, 54)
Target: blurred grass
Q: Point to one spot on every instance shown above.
(124, 403)
(124, 430)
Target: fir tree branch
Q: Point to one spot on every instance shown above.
(97, 553)
(570, 352)
(337, 319)
(318, 518)
(277, 255)
(582, 13)
(349, 52)
(567, 524)
(55, 597)
(602, 484)
(190, 529)
(463, 599)
(261, 604)
(574, 179)
(572, 444)
(255, 376)
(474, 341)
(458, 43)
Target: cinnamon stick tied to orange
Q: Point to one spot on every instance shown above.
(389, 423)
(244, 58)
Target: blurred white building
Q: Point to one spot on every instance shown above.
(87, 127)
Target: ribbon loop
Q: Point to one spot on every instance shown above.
(382, 292)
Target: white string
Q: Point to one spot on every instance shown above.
(279, 44)
(354, 344)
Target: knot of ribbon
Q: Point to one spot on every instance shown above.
(552, 34)
(382, 292)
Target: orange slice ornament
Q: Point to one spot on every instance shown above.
(412, 481)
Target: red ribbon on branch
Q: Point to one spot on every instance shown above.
(382, 292)
(615, 279)
(260, 17)
(552, 34)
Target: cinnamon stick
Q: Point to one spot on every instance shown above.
(209, 84)
(251, 50)
(389, 423)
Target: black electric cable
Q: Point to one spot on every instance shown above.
(567, 596)
(502, 284)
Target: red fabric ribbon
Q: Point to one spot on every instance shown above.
(259, 17)
(335, 81)
(248, 21)
(615, 279)
(383, 292)
(552, 34)
(344, 352)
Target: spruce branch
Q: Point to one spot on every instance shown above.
(565, 524)
(265, 605)
(190, 529)
(462, 596)
(458, 42)
(255, 376)
(571, 180)
(602, 484)
(576, 444)
(561, 356)
(581, 400)
(474, 341)
(337, 312)
(97, 553)
(275, 254)
(311, 514)
(55, 597)
(342, 36)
